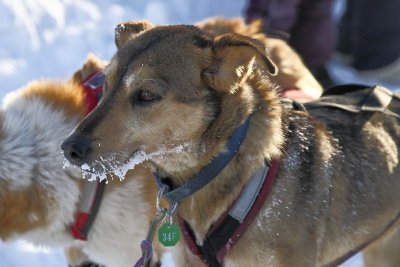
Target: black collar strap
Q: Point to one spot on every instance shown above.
(208, 172)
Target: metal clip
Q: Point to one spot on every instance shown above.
(160, 193)
(154, 224)
(146, 245)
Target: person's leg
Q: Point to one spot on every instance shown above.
(310, 25)
(378, 33)
(276, 15)
(256, 9)
(313, 37)
(345, 42)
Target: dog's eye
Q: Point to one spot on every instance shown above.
(146, 96)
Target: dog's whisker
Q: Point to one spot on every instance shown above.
(66, 164)
(97, 53)
(140, 70)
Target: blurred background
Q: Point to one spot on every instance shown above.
(51, 39)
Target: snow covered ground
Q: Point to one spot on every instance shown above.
(51, 39)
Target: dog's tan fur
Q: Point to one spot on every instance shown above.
(23, 203)
(293, 74)
(179, 90)
(385, 251)
(38, 205)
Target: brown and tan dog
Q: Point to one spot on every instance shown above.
(39, 198)
(176, 96)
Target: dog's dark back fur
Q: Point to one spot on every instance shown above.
(364, 170)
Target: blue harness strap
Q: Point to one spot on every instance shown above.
(208, 172)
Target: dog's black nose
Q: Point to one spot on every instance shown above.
(76, 149)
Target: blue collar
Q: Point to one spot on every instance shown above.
(208, 172)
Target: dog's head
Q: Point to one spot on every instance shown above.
(169, 88)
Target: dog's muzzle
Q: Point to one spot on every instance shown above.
(76, 149)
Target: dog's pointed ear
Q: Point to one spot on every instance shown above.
(125, 32)
(91, 65)
(234, 59)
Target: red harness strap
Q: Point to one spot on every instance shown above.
(229, 230)
(88, 208)
(94, 85)
(92, 192)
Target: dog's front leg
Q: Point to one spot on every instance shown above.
(183, 257)
(77, 258)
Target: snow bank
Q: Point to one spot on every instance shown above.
(52, 38)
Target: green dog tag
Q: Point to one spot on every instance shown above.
(169, 234)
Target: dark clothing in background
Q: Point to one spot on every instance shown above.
(308, 22)
(369, 31)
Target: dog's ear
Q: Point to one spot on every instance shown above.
(125, 32)
(91, 65)
(234, 59)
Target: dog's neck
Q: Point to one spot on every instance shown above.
(209, 171)
(31, 169)
(262, 142)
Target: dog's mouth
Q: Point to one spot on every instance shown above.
(116, 165)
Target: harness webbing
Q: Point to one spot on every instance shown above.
(92, 192)
(208, 172)
(228, 230)
(376, 99)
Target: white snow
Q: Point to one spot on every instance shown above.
(51, 39)
(22, 253)
(119, 171)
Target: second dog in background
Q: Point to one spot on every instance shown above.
(40, 200)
